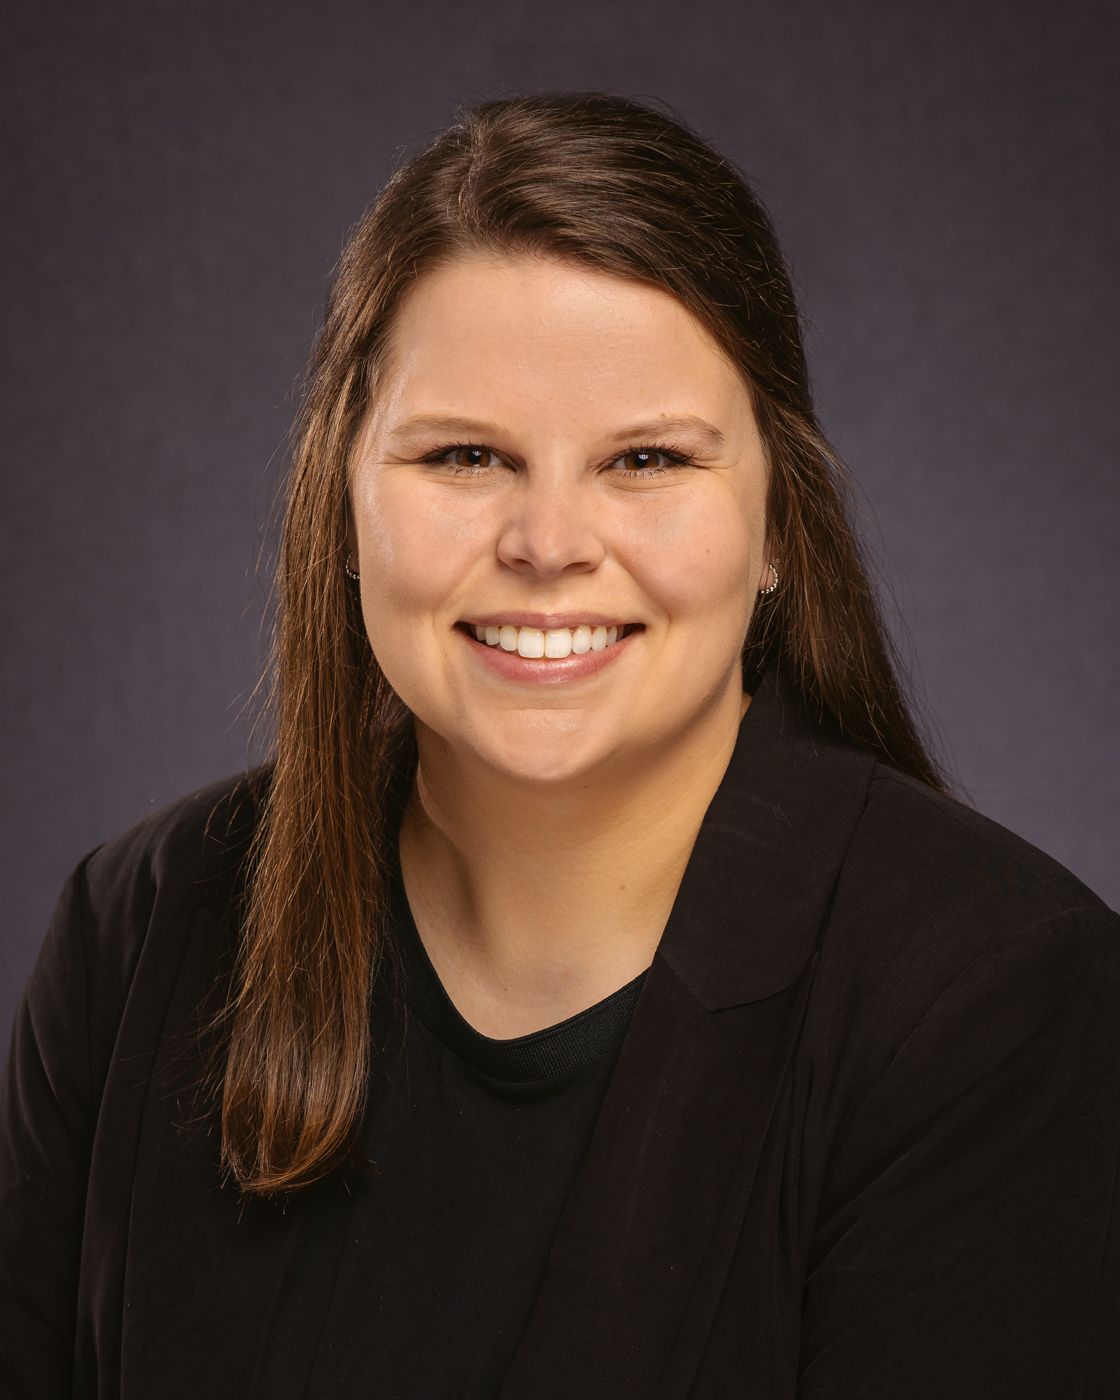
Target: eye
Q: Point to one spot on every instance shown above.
(640, 457)
(463, 458)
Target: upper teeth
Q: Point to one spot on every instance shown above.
(557, 642)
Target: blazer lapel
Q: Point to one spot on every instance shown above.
(638, 1261)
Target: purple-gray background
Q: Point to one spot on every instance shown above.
(180, 180)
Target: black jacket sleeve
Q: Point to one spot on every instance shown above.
(48, 1110)
(967, 1243)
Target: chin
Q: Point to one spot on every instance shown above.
(536, 749)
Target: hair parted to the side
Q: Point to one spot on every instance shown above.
(613, 185)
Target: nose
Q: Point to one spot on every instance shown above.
(550, 527)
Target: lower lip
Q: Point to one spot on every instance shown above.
(511, 666)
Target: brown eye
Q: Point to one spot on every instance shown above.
(470, 457)
(650, 461)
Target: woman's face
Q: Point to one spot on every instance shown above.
(513, 470)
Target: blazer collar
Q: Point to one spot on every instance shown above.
(768, 853)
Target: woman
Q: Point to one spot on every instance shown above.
(599, 992)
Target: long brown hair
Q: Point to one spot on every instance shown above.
(613, 185)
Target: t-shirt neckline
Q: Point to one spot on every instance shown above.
(557, 1052)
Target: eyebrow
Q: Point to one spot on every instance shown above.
(652, 427)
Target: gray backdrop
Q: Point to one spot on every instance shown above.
(180, 179)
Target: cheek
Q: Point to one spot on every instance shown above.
(410, 552)
(696, 557)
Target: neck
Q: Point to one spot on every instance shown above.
(545, 897)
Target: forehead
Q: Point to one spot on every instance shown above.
(553, 338)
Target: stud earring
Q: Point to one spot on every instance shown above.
(349, 571)
(770, 587)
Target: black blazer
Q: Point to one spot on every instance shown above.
(860, 1142)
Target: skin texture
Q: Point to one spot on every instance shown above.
(550, 825)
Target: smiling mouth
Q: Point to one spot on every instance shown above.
(624, 629)
(556, 643)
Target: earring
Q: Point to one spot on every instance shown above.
(349, 571)
(770, 587)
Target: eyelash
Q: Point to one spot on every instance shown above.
(676, 457)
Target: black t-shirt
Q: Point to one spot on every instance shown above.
(422, 1285)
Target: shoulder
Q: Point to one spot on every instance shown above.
(934, 897)
(919, 849)
(192, 846)
(123, 918)
(131, 905)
